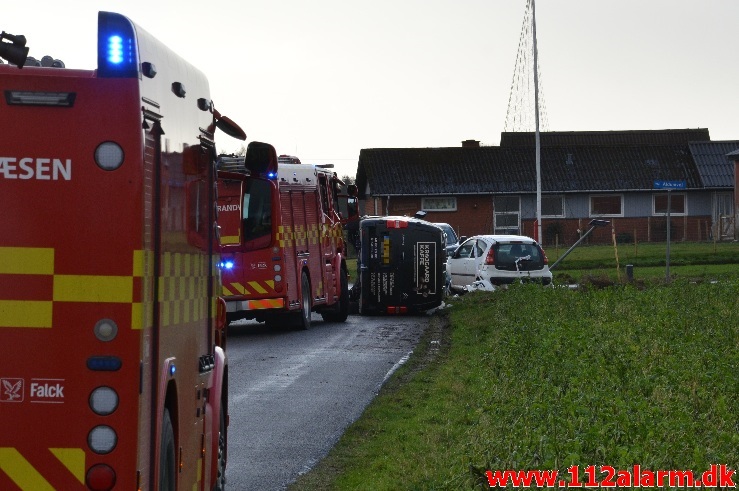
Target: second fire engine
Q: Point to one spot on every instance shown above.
(281, 236)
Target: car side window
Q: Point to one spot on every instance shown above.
(465, 250)
(479, 248)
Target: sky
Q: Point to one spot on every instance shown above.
(323, 79)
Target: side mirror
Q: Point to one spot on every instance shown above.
(261, 159)
(226, 125)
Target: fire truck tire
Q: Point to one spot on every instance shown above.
(341, 310)
(167, 455)
(220, 484)
(305, 304)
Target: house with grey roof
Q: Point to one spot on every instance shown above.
(608, 175)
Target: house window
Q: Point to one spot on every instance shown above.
(553, 206)
(439, 204)
(607, 206)
(677, 204)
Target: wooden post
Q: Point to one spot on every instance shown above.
(636, 249)
(615, 249)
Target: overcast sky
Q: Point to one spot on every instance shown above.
(322, 79)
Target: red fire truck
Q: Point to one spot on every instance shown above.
(282, 246)
(113, 371)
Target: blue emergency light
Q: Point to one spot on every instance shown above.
(115, 49)
(226, 264)
(117, 46)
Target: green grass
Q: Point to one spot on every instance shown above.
(687, 259)
(544, 378)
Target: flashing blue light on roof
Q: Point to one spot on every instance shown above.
(272, 175)
(227, 264)
(115, 49)
(117, 46)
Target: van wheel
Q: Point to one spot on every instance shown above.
(340, 311)
(303, 317)
(167, 455)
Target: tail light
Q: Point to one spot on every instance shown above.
(490, 259)
(100, 477)
(543, 254)
(397, 224)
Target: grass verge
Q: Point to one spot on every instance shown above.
(532, 378)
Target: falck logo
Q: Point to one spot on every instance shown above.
(11, 390)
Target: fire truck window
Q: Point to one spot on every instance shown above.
(352, 206)
(324, 194)
(257, 209)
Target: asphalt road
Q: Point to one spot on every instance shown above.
(293, 393)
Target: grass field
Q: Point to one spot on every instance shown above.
(547, 378)
(690, 260)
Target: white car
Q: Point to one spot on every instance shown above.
(488, 261)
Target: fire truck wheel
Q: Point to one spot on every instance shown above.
(167, 455)
(305, 305)
(341, 310)
(220, 484)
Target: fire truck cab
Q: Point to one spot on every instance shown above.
(114, 373)
(281, 236)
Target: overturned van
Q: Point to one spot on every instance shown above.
(401, 266)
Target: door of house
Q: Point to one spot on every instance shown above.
(725, 215)
(507, 215)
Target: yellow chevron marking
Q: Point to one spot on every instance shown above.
(26, 260)
(267, 303)
(25, 313)
(21, 472)
(271, 284)
(225, 291)
(239, 288)
(73, 459)
(82, 288)
(256, 286)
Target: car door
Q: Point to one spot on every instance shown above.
(461, 265)
(479, 254)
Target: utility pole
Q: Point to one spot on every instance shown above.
(539, 237)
